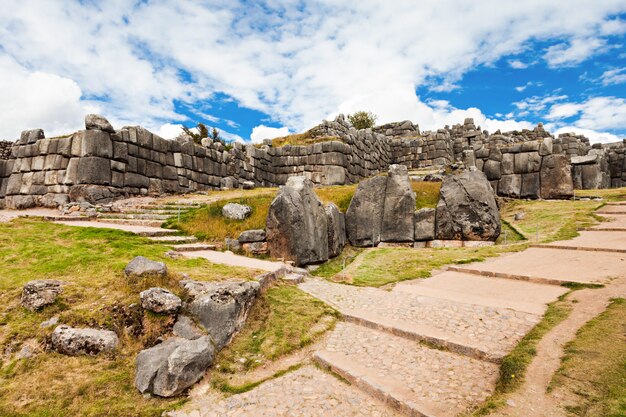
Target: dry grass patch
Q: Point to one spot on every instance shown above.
(302, 139)
(610, 194)
(426, 194)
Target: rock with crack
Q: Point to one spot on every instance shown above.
(143, 267)
(160, 300)
(221, 307)
(236, 211)
(399, 206)
(171, 367)
(297, 227)
(40, 293)
(73, 341)
(467, 208)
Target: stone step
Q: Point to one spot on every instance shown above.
(409, 377)
(134, 222)
(616, 203)
(480, 332)
(614, 209)
(550, 265)
(598, 240)
(232, 259)
(157, 232)
(490, 292)
(140, 216)
(174, 239)
(136, 229)
(68, 218)
(193, 247)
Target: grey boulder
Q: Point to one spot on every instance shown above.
(336, 230)
(72, 341)
(143, 267)
(186, 328)
(236, 211)
(221, 308)
(365, 213)
(424, 224)
(97, 122)
(171, 367)
(399, 206)
(160, 300)
(40, 293)
(556, 177)
(467, 208)
(296, 226)
(251, 236)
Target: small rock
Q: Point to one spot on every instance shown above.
(39, 293)
(519, 216)
(236, 211)
(48, 323)
(232, 244)
(142, 267)
(25, 352)
(97, 122)
(248, 185)
(251, 236)
(172, 254)
(255, 248)
(73, 341)
(160, 300)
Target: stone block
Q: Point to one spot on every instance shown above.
(120, 151)
(508, 163)
(510, 185)
(530, 185)
(521, 163)
(94, 170)
(425, 224)
(492, 170)
(136, 180)
(71, 173)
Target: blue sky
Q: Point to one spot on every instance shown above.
(258, 69)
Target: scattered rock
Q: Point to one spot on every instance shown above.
(72, 341)
(171, 367)
(186, 328)
(160, 300)
(519, 216)
(232, 244)
(236, 211)
(467, 208)
(97, 122)
(221, 308)
(255, 248)
(399, 206)
(248, 185)
(336, 230)
(251, 236)
(143, 267)
(40, 293)
(49, 323)
(26, 352)
(297, 227)
(172, 254)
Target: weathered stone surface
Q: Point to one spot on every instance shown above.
(142, 267)
(492, 170)
(40, 293)
(467, 209)
(399, 207)
(255, 248)
(232, 244)
(546, 147)
(186, 328)
(365, 213)
(221, 308)
(97, 122)
(96, 143)
(556, 177)
(424, 224)
(530, 185)
(236, 211)
(251, 236)
(510, 185)
(171, 367)
(297, 227)
(160, 300)
(31, 136)
(248, 185)
(72, 341)
(94, 170)
(336, 230)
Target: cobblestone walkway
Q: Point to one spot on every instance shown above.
(480, 331)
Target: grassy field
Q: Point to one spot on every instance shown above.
(593, 370)
(610, 194)
(91, 261)
(302, 139)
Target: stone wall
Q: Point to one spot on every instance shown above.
(99, 165)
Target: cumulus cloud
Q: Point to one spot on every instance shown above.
(517, 64)
(613, 76)
(265, 132)
(297, 62)
(169, 130)
(593, 135)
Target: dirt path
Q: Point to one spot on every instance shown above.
(532, 400)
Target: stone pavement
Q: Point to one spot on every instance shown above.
(599, 240)
(232, 259)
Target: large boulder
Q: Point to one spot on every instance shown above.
(556, 177)
(364, 218)
(424, 224)
(143, 267)
(221, 308)
(40, 293)
(235, 211)
(399, 207)
(467, 208)
(72, 341)
(160, 300)
(97, 122)
(336, 230)
(297, 227)
(171, 367)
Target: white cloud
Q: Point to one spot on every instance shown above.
(265, 132)
(305, 63)
(594, 136)
(574, 52)
(614, 76)
(169, 130)
(517, 64)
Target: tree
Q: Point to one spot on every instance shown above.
(215, 135)
(203, 132)
(362, 119)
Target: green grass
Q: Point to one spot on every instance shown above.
(302, 139)
(610, 194)
(283, 320)
(91, 261)
(336, 265)
(426, 194)
(593, 368)
(514, 365)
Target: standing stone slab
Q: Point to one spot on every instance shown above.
(556, 177)
(336, 230)
(399, 207)
(297, 227)
(365, 214)
(424, 224)
(467, 209)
